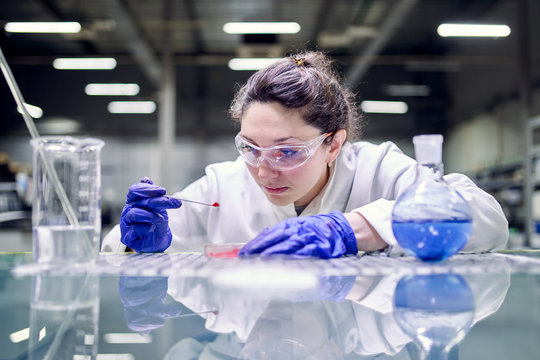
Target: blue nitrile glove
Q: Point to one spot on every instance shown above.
(323, 236)
(144, 223)
(144, 302)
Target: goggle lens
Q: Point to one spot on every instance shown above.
(281, 157)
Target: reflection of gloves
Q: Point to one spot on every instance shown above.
(144, 222)
(323, 236)
(144, 302)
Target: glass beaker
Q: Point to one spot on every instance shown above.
(66, 206)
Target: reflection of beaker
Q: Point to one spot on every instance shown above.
(64, 314)
(75, 165)
(435, 310)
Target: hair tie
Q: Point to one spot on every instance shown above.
(299, 61)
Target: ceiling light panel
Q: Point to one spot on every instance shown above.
(111, 89)
(84, 63)
(34, 111)
(131, 107)
(473, 30)
(43, 27)
(384, 107)
(246, 64)
(261, 28)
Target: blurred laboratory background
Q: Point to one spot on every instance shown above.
(177, 64)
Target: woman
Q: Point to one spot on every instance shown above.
(300, 186)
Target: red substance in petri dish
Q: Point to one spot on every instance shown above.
(224, 254)
(215, 204)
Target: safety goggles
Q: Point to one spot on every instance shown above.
(280, 157)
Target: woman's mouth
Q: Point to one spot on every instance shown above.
(275, 190)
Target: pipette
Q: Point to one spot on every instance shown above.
(148, 181)
(195, 202)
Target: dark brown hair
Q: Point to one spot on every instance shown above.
(304, 81)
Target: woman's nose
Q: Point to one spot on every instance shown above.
(265, 169)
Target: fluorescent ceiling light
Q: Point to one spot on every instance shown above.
(34, 111)
(261, 28)
(112, 89)
(446, 30)
(20, 335)
(384, 107)
(241, 64)
(43, 27)
(127, 338)
(131, 107)
(407, 90)
(84, 63)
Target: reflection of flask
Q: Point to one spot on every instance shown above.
(435, 310)
(430, 220)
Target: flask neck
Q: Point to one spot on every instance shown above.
(429, 170)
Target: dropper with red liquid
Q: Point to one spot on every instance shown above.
(216, 204)
(148, 181)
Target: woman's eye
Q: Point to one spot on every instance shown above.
(287, 152)
(249, 149)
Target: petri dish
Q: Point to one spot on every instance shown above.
(224, 251)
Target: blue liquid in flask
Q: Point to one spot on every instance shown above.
(432, 240)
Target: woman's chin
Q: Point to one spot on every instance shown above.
(279, 200)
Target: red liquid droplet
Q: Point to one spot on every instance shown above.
(215, 204)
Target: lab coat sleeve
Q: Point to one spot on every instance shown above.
(489, 226)
(393, 172)
(189, 223)
(111, 242)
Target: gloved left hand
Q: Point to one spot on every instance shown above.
(324, 236)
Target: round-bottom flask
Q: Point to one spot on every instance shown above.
(430, 220)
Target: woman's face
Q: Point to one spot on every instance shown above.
(270, 124)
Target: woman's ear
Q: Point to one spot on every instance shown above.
(335, 146)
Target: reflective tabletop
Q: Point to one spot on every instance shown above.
(186, 306)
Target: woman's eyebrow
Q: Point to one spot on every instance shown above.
(286, 139)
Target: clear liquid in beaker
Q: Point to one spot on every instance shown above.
(65, 243)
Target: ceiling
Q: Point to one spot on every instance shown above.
(375, 43)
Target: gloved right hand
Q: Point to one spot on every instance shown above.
(144, 223)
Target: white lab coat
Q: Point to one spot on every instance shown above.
(365, 178)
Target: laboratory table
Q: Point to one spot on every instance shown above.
(186, 306)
